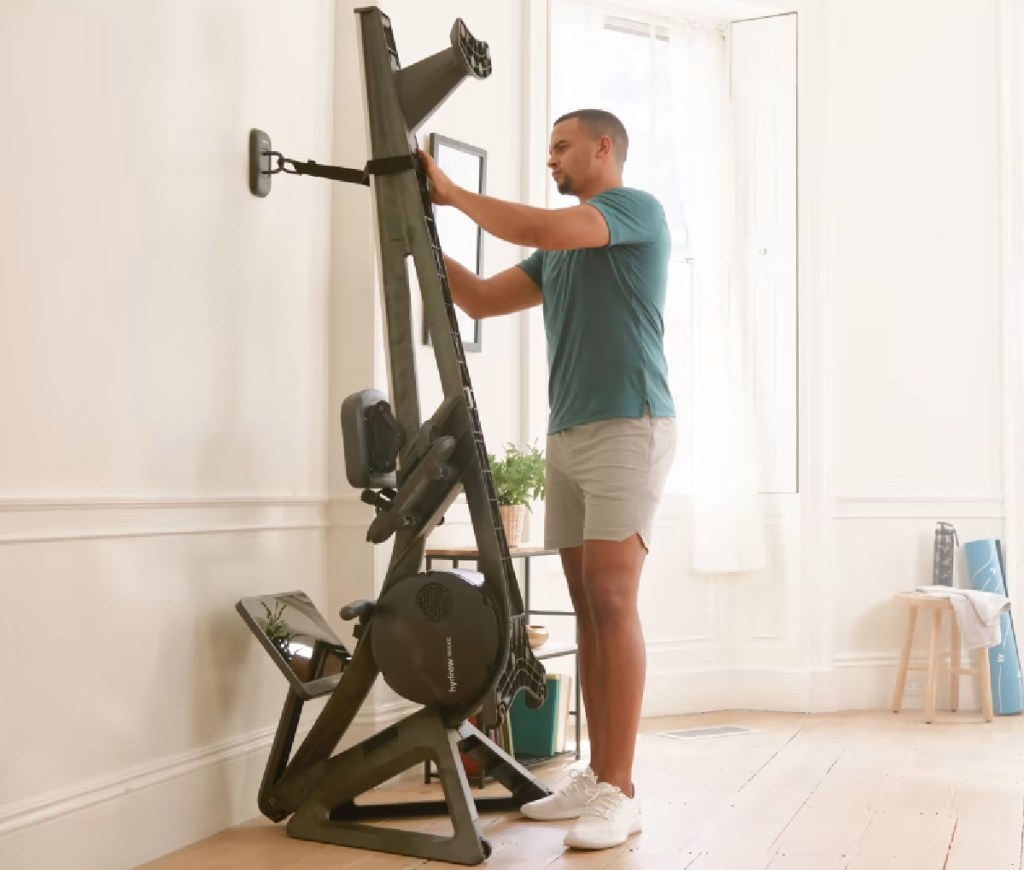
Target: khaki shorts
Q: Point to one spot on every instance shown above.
(604, 480)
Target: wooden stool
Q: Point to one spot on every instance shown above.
(937, 606)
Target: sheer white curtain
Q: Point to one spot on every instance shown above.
(669, 83)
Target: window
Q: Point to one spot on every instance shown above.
(710, 108)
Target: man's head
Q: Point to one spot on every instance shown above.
(588, 149)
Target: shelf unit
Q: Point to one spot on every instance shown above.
(549, 650)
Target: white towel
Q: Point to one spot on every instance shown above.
(977, 613)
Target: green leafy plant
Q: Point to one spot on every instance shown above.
(278, 630)
(519, 475)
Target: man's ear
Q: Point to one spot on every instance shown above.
(604, 146)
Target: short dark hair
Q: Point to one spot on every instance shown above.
(601, 123)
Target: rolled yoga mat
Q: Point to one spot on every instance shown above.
(984, 568)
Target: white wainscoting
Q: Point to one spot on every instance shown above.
(146, 811)
(744, 642)
(141, 719)
(882, 544)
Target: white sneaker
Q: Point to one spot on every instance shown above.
(567, 802)
(608, 820)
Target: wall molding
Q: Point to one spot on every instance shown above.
(53, 805)
(153, 502)
(916, 505)
(856, 682)
(349, 510)
(194, 794)
(665, 645)
(865, 659)
(61, 803)
(698, 690)
(47, 520)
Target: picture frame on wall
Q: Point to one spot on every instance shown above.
(461, 239)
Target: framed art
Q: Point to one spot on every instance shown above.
(461, 239)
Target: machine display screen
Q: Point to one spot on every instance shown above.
(298, 639)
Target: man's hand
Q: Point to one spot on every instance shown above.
(580, 226)
(442, 189)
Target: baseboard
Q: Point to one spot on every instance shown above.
(140, 814)
(699, 691)
(143, 813)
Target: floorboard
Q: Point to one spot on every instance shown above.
(854, 791)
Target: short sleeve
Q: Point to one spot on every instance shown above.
(533, 266)
(633, 216)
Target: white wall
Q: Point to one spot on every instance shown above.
(175, 353)
(901, 362)
(164, 392)
(915, 383)
(1011, 26)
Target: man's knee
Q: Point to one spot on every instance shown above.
(611, 575)
(610, 602)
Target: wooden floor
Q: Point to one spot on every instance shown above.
(863, 791)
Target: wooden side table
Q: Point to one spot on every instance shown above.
(936, 607)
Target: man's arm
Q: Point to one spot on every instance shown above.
(504, 293)
(581, 226)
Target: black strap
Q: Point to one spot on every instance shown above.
(381, 166)
(390, 165)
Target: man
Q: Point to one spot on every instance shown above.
(600, 271)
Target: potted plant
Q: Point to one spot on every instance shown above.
(518, 479)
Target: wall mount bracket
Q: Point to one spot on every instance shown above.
(264, 163)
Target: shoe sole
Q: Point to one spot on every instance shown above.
(555, 817)
(635, 828)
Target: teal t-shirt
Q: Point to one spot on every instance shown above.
(603, 315)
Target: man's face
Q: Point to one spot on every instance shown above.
(571, 156)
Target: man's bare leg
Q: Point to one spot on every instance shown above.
(612, 649)
(590, 677)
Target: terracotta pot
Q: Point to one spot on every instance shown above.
(513, 517)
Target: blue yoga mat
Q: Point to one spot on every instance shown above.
(985, 570)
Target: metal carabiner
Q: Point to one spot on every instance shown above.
(281, 160)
